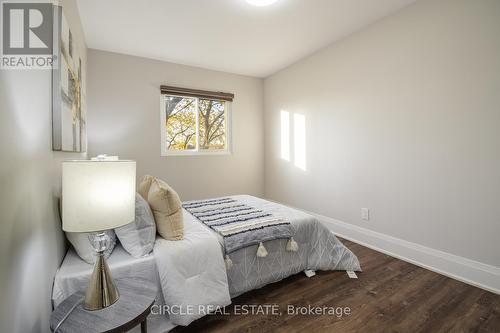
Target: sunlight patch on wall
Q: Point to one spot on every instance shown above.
(285, 135)
(299, 140)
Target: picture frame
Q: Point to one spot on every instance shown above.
(69, 133)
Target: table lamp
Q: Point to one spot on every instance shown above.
(98, 196)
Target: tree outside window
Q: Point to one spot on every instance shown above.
(193, 124)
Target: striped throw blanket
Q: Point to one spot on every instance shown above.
(239, 224)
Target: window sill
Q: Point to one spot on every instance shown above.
(196, 153)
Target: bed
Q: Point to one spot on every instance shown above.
(193, 272)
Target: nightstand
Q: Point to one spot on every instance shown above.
(137, 296)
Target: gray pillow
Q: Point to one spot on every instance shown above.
(138, 237)
(82, 246)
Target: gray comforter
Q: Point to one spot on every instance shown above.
(319, 249)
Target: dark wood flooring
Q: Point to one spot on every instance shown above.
(390, 295)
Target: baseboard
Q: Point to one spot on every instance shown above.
(472, 272)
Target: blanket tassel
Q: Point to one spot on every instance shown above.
(291, 245)
(228, 262)
(261, 251)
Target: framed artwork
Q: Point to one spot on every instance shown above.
(68, 89)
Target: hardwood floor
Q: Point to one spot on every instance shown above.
(390, 295)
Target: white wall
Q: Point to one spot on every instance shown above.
(32, 244)
(124, 119)
(402, 117)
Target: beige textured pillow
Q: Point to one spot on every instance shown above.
(167, 210)
(145, 185)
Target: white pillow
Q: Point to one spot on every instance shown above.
(85, 250)
(138, 237)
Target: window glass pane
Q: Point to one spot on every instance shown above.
(181, 123)
(212, 124)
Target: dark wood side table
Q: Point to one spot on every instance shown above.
(137, 296)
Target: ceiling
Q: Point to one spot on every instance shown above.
(226, 35)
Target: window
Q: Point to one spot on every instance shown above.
(194, 125)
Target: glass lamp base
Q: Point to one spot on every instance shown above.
(102, 291)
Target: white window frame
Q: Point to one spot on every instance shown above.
(194, 152)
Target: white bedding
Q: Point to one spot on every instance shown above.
(74, 275)
(192, 272)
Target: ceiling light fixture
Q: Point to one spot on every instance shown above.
(261, 3)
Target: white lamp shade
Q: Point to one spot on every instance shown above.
(97, 195)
